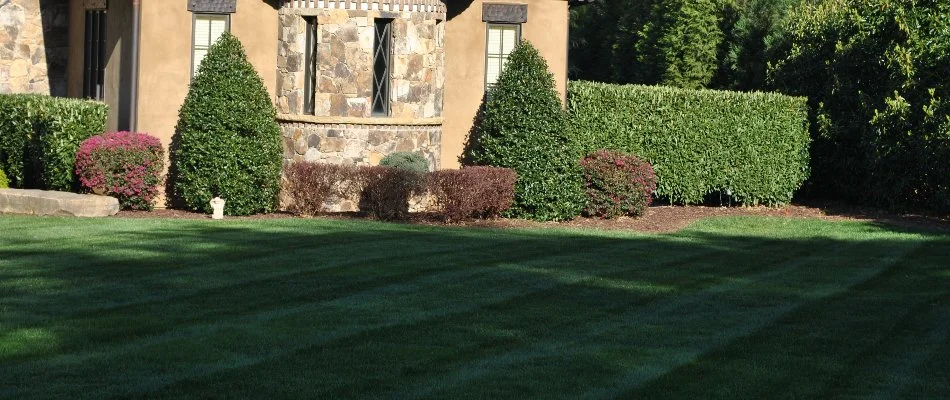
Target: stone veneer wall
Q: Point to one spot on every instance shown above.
(344, 59)
(357, 144)
(33, 46)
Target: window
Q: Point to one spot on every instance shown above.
(382, 55)
(94, 59)
(310, 68)
(502, 39)
(208, 28)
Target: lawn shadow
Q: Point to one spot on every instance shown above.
(362, 309)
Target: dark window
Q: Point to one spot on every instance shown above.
(382, 55)
(94, 60)
(310, 71)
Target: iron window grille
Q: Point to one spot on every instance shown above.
(382, 66)
(310, 68)
(94, 59)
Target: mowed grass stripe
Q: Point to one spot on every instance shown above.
(404, 335)
(509, 314)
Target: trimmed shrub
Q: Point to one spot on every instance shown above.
(406, 160)
(39, 136)
(228, 140)
(124, 165)
(310, 185)
(750, 146)
(472, 192)
(523, 127)
(617, 184)
(386, 191)
(4, 183)
(877, 75)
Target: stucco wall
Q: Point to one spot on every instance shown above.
(165, 57)
(465, 36)
(33, 46)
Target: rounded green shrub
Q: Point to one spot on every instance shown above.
(227, 140)
(406, 160)
(523, 127)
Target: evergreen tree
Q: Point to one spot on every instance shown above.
(522, 126)
(228, 140)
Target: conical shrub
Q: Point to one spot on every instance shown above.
(522, 126)
(228, 140)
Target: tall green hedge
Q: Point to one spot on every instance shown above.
(750, 146)
(227, 142)
(39, 136)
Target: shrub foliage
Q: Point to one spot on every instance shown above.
(310, 186)
(877, 75)
(522, 127)
(617, 184)
(385, 191)
(406, 160)
(39, 136)
(124, 165)
(752, 146)
(228, 142)
(472, 192)
(4, 183)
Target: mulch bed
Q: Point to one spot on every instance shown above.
(658, 219)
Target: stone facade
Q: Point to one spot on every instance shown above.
(344, 62)
(357, 144)
(33, 46)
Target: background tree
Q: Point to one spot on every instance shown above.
(227, 140)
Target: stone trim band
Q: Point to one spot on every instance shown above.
(428, 6)
(359, 120)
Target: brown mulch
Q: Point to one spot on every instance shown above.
(657, 218)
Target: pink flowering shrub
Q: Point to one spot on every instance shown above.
(125, 165)
(617, 184)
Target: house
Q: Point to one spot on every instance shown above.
(353, 80)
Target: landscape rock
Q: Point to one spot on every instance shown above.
(42, 202)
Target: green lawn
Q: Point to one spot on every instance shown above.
(729, 308)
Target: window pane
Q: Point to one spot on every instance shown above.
(494, 41)
(202, 32)
(218, 26)
(494, 69)
(510, 40)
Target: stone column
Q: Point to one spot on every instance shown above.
(33, 46)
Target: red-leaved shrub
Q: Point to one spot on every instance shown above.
(472, 192)
(617, 184)
(386, 191)
(311, 185)
(125, 165)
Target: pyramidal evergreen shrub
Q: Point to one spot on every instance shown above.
(228, 140)
(522, 126)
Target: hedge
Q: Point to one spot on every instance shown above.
(752, 147)
(39, 136)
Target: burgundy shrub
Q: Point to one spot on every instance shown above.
(125, 165)
(310, 185)
(386, 191)
(617, 184)
(473, 192)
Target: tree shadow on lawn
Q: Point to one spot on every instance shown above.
(732, 307)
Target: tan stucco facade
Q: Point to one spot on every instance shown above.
(166, 52)
(465, 42)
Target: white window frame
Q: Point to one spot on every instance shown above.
(498, 53)
(195, 46)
